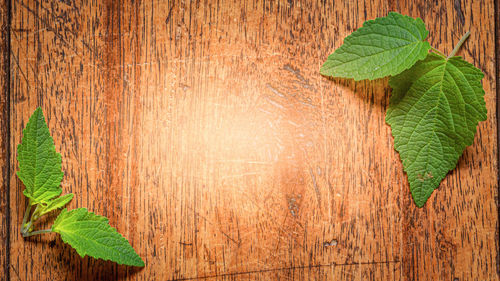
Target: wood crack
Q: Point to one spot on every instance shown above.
(233, 274)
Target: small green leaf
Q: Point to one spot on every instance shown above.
(384, 46)
(90, 234)
(56, 203)
(434, 111)
(39, 163)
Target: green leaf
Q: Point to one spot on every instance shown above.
(39, 163)
(384, 46)
(90, 234)
(56, 203)
(434, 111)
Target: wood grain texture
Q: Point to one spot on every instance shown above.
(4, 140)
(204, 132)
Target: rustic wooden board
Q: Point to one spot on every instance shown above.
(4, 139)
(205, 133)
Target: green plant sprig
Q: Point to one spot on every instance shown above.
(41, 173)
(437, 101)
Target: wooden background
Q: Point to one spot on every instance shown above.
(204, 132)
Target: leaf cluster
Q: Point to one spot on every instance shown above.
(41, 173)
(436, 101)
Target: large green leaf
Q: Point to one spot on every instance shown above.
(434, 111)
(39, 163)
(384, 46)
(90, 234)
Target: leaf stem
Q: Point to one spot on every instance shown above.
(37, 232)
(26, 215)
(27, 228)
(33, 218)
(459, 44)
(438, 51)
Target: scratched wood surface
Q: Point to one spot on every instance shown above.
(4, 140)
(204, 132)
